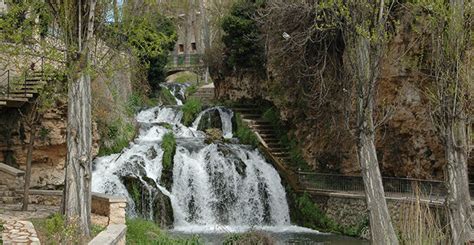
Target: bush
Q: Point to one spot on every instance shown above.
(55, 230)
(244, 133)
(141, 231)
(251, 237)
(191, 109)
(118, 135)
(191, 90)
(169, 149)
(166, 97)
(242, 39)
(313, 217)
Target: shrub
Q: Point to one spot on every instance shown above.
(55, 230)
(242, 39)
(169, 149)
(141, 231)
(166, 97)
(117, 137)
(251, 237)
(313, 217)
(244, 133)
(191, 90)
(191, 109)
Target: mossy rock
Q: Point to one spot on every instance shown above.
(163, 211)
(210, 119)
(213, 135)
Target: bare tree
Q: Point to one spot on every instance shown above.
(76, 19)
(364, 36)
(451, 101)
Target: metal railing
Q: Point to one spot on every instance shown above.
(184, 60)
(355, 184)
(7, 84)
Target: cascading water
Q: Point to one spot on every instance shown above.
(214, 186)
(178, 90)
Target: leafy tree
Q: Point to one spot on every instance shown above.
(242, 39)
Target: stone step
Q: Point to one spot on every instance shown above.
(8, 193)
(2, 102)
(24, 90)
(13, 99)
(281, 154)
(251, 116)
(10, 200)
(22, 95)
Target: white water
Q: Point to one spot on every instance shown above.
(218, 186)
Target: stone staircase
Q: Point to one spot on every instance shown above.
(11, 181)
(268, 137)
(205, 94)
(22, 91)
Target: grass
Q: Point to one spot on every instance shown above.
(191, 90)
(140, 231)
(166, 97)
(191, 109)
(118, 135)
(419, 224)
(251, 237)
(54, 230)
(244, 133)
(309, 214)
(184, 77)
(169, 148)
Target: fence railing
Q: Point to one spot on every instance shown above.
(355, 184)
(182, 60)
(8, 83)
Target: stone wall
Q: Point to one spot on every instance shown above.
(350, 210)
(110, 93)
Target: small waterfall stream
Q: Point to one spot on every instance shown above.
(214, 186)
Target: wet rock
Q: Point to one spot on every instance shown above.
(163, 211)
(213, 135)
(210, 119)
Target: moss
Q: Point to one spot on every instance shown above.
(54, 230)
(166, 97)
(169, 149)
(117, 136)
(1, 230)
(185, 77)
(244, 133)
(251, 237)
(191, 90)
(140, 231)
(191, 109)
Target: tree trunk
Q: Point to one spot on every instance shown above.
(366, 68)
(458, 199)
(77, 186)
(29, 157)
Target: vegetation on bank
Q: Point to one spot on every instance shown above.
(140, 231)
(117, 136)
(309, 214)
(244, 133)
(168, 145)
(166, 97)
(250, 237)
(1, 230)
(54, 230)
(191, 108)
(287, 139)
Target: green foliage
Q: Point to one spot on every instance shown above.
(134, 103)
(191, 109)
(43, 133)
(244, 133)
(191, 90)
(185, 77)
(310, 215)
(141, 231)
(54, 230)
(272, 115)
(117, 136)
(1, 230)
(242, 39)
(251, 237)
(169, 149)
(166, 97)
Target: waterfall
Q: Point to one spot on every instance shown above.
(178, 90)
(213, 185)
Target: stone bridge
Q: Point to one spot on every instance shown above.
(185, 62)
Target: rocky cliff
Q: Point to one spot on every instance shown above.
(110, 96)
(407, 144)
